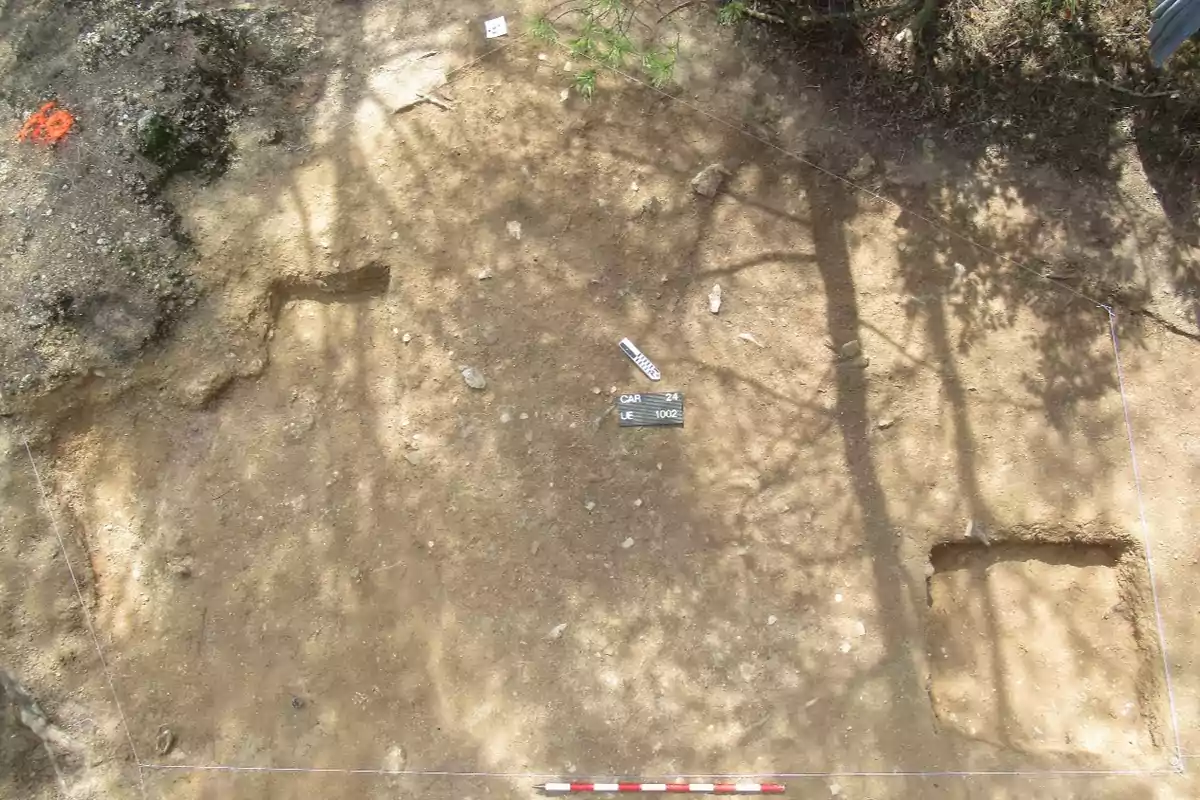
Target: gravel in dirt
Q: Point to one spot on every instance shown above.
(418, 609)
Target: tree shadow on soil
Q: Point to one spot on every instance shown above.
(332, 590)
(1050, 146)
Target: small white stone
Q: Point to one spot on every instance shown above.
(859, 628)
(749, 337)
(637, 503)
(406, 338)
(837, 598)
(845, 647)
(473, 377)
(514, 229)
(628, 543)
(714, 298)
(590, 505)
(771, 620)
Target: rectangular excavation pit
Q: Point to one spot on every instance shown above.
(1035, 647)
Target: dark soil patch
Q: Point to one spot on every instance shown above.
(1065, 86)
(97, 266)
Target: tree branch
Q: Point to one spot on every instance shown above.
(1095, 81)
(846, 16)
(923, 17)
(679, 7)
(764, 16)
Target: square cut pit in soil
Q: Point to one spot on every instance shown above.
(1032, 648)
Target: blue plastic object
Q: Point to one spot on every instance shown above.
(1174, 22)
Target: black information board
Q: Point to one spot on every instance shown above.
(650, 408)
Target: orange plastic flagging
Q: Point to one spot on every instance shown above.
(46, 125)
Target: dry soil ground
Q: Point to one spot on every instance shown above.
(305, 542)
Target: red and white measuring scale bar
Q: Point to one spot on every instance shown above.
(683, 788)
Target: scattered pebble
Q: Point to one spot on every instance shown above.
(590, 505)
(474, 378)
(484, 274)
(885, 423)
(845, 647)
(647, 208)
(837, 598)
(714, 298)
(557, 631)
(164, 743)
(851, 349)
(505, 417)
(859, 628)
(514, 229)
(771, 620)
(406, 338)
(396, 759)
(298, 702)
(835, 789)
(523, 415)
(975, 530)
(628, 543)
(708, 180)
(595, 390)
(862, 169)
(533, 548)
(749, 337)
(637, 503)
